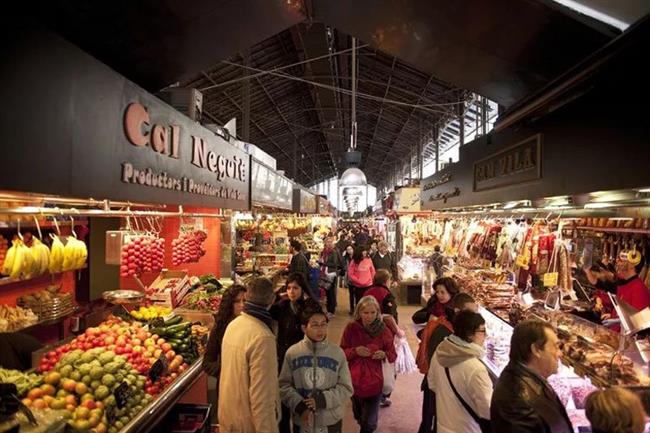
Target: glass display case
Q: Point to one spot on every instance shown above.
(571, 388)
(595, 351)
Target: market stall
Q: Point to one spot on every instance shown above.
(133, 277)
(520, 268)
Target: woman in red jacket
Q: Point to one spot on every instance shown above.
(367, 342)
(360, 271)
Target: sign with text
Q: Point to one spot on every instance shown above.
(99, 135)
(407, 200)
(269, 188)
(514, 165)
(219, 172)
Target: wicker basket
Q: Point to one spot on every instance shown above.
(53, 309)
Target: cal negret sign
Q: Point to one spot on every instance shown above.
(166, 140)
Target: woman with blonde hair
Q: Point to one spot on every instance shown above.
(367, 342)
(615, 410)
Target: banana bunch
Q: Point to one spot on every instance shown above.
(75, 254)
(41, 256)
(56, 255)
(19, 262)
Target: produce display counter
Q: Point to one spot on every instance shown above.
(120, 376)
(149, 417)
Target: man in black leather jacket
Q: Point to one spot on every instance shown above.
(523, 401)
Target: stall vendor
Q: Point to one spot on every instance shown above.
(631, 288)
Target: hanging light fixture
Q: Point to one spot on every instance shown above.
(353, 179)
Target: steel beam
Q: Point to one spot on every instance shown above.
(255, 124)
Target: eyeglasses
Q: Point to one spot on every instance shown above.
(318, 325)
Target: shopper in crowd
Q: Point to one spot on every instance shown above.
(615, 410)
(459, 378)
(300, 264)
(360, 272)
(367, 342)
(249, 392)
(437, 261)
(373, 248)
(385, 259)
(287, 312)
(388, 307)
(316, 405)
(433, 334)
(232, 304)
(445, 289)
(348, 256)
(381, 292)
(523, 401)
(331, 264)
(342, 242)
(362, 238)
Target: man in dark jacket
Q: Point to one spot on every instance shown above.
(523, 401)
(460, 302)
(299, 264)
(384, 259)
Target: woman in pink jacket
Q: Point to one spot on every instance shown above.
(360, 272)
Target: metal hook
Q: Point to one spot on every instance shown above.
(56, 225)
(72, 226)
(38, 228)
(20, 235)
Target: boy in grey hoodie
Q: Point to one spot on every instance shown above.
(315, 380)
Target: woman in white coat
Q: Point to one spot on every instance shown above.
(456, 364)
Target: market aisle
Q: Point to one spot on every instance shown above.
(404, 414)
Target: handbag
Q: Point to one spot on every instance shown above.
(483, 423)
(388, 371)
(365, 378)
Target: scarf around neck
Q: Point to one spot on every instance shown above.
(259, 312)
(375, 328)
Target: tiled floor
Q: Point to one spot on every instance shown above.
(404, 414)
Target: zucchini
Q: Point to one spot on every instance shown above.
(176, 328)
(173, 321)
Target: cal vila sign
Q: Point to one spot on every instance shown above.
(516, 164)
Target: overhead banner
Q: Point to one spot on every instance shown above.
(323, 205)
(304, 201)
(95, 134)
(407, 200)
(269, 188)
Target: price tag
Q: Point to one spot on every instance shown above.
(122, 395)
(158, 369)
(528, 299)
(550, 279)
(522, 261)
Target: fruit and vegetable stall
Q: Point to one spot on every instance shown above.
(117, 376)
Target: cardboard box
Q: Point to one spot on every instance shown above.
(169, 288)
